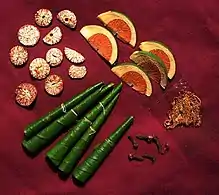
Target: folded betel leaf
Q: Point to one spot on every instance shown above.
(51, 132)
(61, 149)
(38, 125)
(83, 172)
(71, 160)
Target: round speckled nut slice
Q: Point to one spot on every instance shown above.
(18, 55)
(43, 17)
(26, 94)
(73, 56)
(68, 18)
(54, 57)
(28, 35)
(39, 68)
(77, 72)
(54, 85)
(53, 37)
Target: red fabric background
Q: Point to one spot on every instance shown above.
(190, 28)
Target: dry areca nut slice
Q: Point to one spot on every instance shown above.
(18, 55)
(77, 72)
(73, 56)
(53, 37)
(68, 18)
(39, 68)
(28, 35)
(54, 57)
(54, 85)
(26, 94)
(43, 17)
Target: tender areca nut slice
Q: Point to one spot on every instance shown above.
(120, 25)
(54, 57)
(18, 55)
(68, 18)
(28, 35)
(53, 37)
(43, 17)
(26, 94)
(77, 72)
(54, 85)
(134, 76)
(102, 41)
(39, 68)
(73, 56)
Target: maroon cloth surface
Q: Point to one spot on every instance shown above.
(190, 28)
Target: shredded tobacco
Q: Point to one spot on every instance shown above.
(185, 111)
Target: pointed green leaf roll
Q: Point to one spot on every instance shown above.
(71, 160)
(87, 168)
(50, 133)
(61, 149)
(38, 125)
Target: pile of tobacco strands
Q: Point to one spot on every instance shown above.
(82, 116)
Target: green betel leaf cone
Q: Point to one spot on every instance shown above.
(38, 125)
(59, 151)
(71, 160)
(83, 172)
(50, 133)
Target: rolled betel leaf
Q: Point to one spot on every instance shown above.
(71, 160)
(61, 149)
(83, 172)
(35, 127)
(50, 133)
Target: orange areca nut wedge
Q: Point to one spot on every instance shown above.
(102, 41)
(134, 76)
(120, 25)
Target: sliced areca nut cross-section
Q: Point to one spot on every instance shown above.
(74, 56)
(53, 37)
